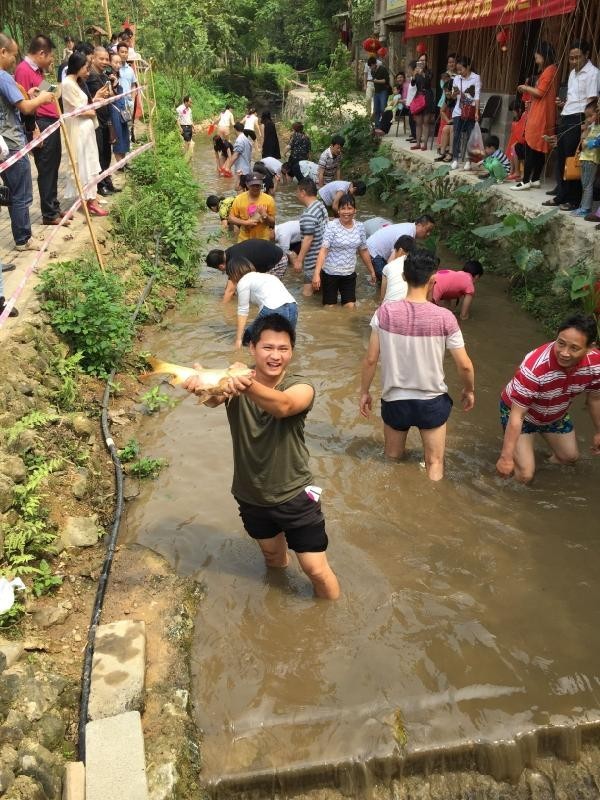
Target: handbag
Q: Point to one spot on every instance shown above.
(467, 111)
(572, 170)
(125, 114)
(418, 105)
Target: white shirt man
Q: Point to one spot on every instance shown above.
(583, 85)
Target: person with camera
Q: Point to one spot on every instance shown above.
(100, 70)
(29, 74)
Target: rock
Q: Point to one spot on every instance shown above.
(115, 762)
(8, 758)
(12, 652)
(162, 780)
(74, 781)
(14, 468)
(83, 426)
(26, 442)
(9, 690)
(80, 531)
(131, 488)
(51, 615)
(7, 486)
(28, 389)
(7, 778)
(50, 730)
(24, 788)
(79, 487)
(118, 669)
(36, 762)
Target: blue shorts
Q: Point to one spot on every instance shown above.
(562, 425)
(423, 414)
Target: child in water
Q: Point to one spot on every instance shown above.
(222, 207)
(451, 284)
(264, 290)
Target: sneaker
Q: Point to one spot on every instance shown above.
(454, 165)
(467, 166)
(520, 186)
(13, 311)
(581, 212)
(26, 246)
(441, 157)
(534, 184)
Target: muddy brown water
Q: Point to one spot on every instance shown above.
(469, 614)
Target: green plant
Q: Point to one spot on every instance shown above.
(87, 305)
(44, 579)
(68, 369)
(35, 419)
(332, 88)
(154, 399)
(147, 467)
(130, 451)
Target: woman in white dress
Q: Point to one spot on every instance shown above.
(82, 132)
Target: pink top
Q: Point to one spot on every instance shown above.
(28, 75)
(452, 284)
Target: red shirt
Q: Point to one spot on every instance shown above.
(546, 389)
(28, 74)
(450, 284)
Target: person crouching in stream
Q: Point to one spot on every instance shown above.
(272, 482)
(263, 289)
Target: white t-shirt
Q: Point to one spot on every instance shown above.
(226, 120)
(396, 288)
(462, 84)
(184, 115)
(582, 85)
(250, 122)
(309, 169)
(328, 192)
(375, 223)
(382, 242)
(263, 290)
(287, 233)
(272, 164)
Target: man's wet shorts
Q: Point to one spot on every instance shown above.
(300, 519)
(423, 414)
(562, 425)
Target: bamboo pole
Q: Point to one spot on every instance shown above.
(75, 169)
(107, 18)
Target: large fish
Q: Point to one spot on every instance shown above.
(214, 380)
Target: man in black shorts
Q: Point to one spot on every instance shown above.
(271, 478)
(265, 255)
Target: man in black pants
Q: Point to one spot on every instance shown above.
(29, 74)
(104, 132)
(582, 89)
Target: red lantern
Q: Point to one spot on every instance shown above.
(371, 45)
(421, 49)
(502, 39)
(382, 52)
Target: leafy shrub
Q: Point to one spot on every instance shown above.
(88, 307)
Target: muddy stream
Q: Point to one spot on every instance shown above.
(469, 610)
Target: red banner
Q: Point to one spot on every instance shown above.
(427, 17)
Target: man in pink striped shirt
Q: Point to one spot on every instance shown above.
(538, 398)
(412, 335)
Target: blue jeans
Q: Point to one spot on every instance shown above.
(18, 180)
(288, 310)
(460, 126)
(379, 104)
(379, 263)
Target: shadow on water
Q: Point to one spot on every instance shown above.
(467, 635)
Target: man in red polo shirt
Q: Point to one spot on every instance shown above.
(538, 398)
(30, 73)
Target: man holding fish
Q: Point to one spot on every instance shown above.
(266, 408)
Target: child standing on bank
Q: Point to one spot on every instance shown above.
(589, 158)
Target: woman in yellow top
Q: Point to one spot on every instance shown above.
(253, 211)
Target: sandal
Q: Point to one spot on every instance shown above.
(567, 207)
(447, 159)
(549, 203)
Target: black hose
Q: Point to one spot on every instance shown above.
(86, 679)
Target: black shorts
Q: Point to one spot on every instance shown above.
(520, 151)
(186, 132)
(423, 414)
(300, 519)
(332, 284)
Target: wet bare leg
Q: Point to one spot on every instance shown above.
(275, 551)
(349, 305)
(434, 444)
(564, 447)
(316, 567)
(394, 442)
(307, 290)
(524, 458)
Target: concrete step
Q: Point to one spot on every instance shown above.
(74, 781)
(115, 760)
(118, 669)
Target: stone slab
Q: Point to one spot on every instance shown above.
(115, 760)
(74, 781)
(118, 669)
